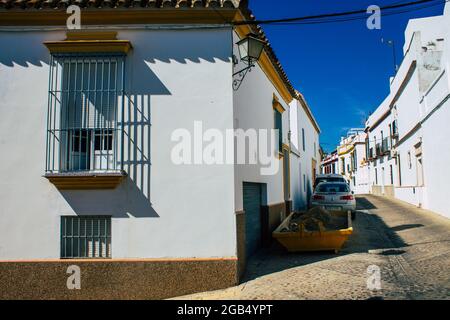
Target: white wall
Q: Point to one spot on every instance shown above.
(435, 130)
(253, 109)
(362, 179)
(379, 170)
(301, 159)
(436, 159)
(422, 111)
(161, 210)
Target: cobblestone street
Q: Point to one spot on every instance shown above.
(410, 245)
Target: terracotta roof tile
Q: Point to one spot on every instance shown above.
(272, 55)
(241, 4)
(10, 4)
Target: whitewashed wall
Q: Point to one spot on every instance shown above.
(362, 179)
(379, 170)
(253, 109)
(301, 159)
(422, 110)
(162, 210)
(435, 130)
(409, 190)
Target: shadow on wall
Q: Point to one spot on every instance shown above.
(181, 46)
(125, 201)
(133, 196)
(24, 49)
(27, 48)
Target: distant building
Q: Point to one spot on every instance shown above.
(330, 163)
(352, 160)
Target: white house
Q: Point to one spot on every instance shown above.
(330, 163)
(381, 129)
(121, 145)
(351, 157)
(411, 126)
(305, 152)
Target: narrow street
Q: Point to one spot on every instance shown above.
(411, 247)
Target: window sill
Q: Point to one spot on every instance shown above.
(87, 180)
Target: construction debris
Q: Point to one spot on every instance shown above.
(315, 219)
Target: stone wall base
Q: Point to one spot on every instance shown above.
(115, 279)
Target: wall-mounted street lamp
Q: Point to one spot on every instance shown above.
(250, 49)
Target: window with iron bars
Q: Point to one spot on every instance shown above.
(86, 99)
(85, 237)
(385, 145)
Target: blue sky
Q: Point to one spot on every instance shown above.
(342, 68)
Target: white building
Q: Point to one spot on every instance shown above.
(413, 160)
(381, 128)
(330, 163)
(305, 152)
(91, 123)
(351, 154)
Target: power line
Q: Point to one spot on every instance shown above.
(363, 17)
(315, 19)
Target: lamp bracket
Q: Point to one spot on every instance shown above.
(240, 76)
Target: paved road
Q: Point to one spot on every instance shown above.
(411, 247)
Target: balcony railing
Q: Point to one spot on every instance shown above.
(385, 146)
(371, 155)
(378, 150)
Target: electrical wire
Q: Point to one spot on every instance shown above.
(323, 18)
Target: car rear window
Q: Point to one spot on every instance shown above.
(319, 180)
(332, 187)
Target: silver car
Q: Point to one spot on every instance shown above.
(329, 178)
(334, 196)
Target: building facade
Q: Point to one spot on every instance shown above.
(305, 156)
(408, 149)
(381, 130)
(352, 164)
(118, 152)
(330, 163)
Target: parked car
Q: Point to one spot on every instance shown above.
(334, 196)
(329, 178)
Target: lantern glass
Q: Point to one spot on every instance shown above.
(250, 48)
(243, 49)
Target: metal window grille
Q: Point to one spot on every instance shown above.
(86, 237)
(86, 99)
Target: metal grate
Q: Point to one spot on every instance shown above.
(85, 237)
(86, 98)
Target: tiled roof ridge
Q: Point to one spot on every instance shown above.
(59, 4)
(241, 4)
(248, 14)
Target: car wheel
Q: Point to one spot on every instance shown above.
(353, 215)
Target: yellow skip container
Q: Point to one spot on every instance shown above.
(323, 240)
